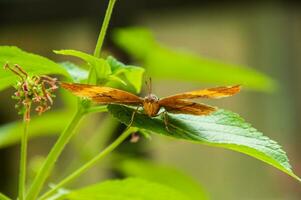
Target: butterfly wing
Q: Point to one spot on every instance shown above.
(187, 107)
(212, 93)
(103, 95)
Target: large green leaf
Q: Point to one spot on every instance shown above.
(128, 189)
(166, 63)
(48, 124)
(221, 129)
(33, 64)
(162, 174)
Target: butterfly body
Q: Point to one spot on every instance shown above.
(151, 105)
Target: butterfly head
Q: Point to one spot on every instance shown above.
(151, 102)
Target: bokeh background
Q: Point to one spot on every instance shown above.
(263, 36)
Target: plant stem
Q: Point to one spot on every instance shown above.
(53, 156)
(23, 157)
(69, 131)
(90, 163)
(3, 197)
(104, 28)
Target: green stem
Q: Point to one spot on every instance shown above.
(64, 138)
(23, 157)
(104, 28)
(53, 156)
(90, 163)
(3, 197)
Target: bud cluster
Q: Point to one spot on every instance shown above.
(32, 90)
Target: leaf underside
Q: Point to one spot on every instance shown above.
(220, 129)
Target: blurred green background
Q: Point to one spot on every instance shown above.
(263, 36)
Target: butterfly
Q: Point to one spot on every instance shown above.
(178, 104)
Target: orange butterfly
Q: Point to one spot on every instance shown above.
(151, 103)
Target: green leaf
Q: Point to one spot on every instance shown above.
(47, 124)
(127, 189)
(100, 65)
(110, 72)
(166, 63)
(162, 174)
(221, 129)
(31, 63)
(77, 74)
(131, 75)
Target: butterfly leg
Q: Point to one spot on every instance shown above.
(134, 137)
(165, 118)
(133, 116)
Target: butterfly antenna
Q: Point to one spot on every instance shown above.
(150, 85)
(146, 84)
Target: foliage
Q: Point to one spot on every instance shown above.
(110, 71)
(130, 76)
(128, 189)
(78, 74)
(221, 129)
(162, 174)
(99, 65)
(166, 63)
(31, 63)
(40, 126)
